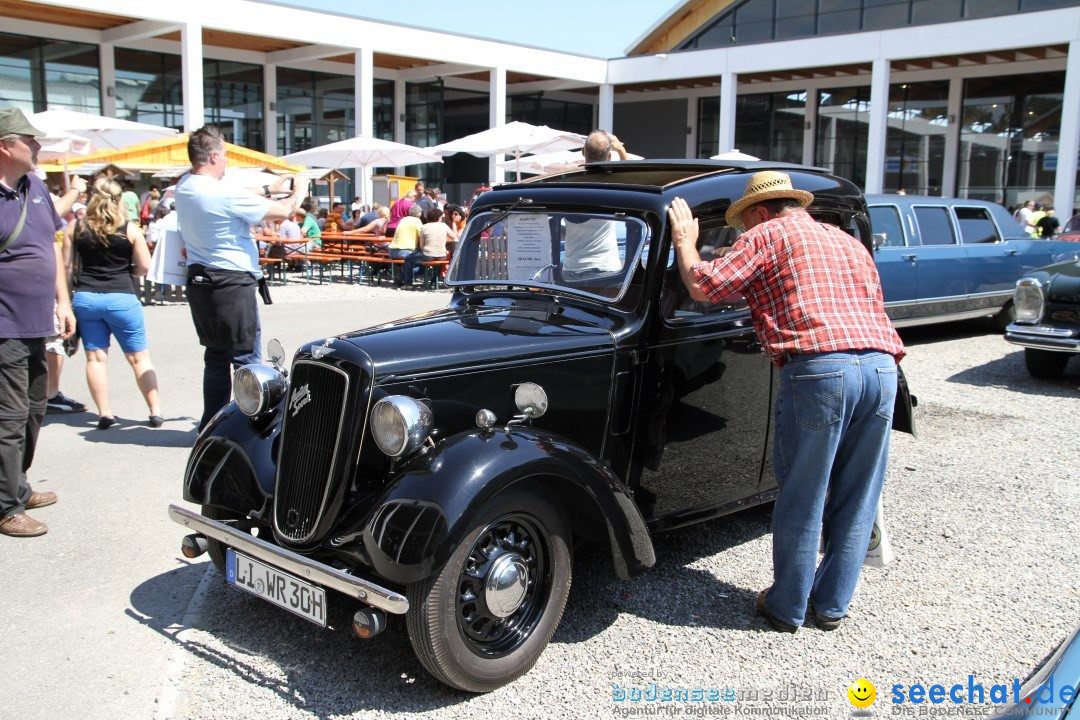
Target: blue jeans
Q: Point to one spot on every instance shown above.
(832, 417)
(218, 366)
(408, 268)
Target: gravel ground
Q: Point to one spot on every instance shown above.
(981, 509)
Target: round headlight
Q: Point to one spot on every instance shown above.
(1029, 300)
(400, 424)
(257, 388)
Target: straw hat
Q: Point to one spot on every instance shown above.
(762, 186)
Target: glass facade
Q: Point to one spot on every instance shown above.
(536, 109)
(149, 87)
(842, 125)
(316, 108)
(37, 74)
(756, 21)
(708, 127)
(1009, 137)
(770, 126)
(915, 140)
(233, 100)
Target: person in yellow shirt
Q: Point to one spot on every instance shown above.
(406, 244)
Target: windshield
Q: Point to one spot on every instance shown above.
(587, 253)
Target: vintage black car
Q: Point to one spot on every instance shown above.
(1047, 325)
(442, 466)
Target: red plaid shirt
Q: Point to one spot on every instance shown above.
(811, 288)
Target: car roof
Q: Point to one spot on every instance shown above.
(894, 199)
(659, 174)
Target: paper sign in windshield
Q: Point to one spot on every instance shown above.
(529, 248)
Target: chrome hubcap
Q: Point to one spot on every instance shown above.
(505, 585)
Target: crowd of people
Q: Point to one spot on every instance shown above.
(1037, 220)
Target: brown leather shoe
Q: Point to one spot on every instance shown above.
(22, 525)
(40, 499)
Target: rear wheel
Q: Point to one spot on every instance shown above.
(1045, 364)
(484, 618)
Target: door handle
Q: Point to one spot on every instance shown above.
(1011, 251)
(909, 258)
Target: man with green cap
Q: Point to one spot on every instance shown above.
(32, 278)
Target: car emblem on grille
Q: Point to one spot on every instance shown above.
(299, 399)
(323, 350)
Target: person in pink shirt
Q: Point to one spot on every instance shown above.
(399, 210)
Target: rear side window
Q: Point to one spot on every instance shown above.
(976, 225)
(934, 226)
(885, 223)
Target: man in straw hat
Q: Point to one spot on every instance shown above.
(816, 301)
(32, 279)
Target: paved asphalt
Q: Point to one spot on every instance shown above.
(89, 610)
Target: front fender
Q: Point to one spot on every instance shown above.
(421, 517)
(234, 461)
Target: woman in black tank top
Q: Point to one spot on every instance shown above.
(108, 249)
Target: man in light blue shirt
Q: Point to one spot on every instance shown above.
(215, 222)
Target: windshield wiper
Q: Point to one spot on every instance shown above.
(502, 215)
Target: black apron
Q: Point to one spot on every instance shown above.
(223, 307)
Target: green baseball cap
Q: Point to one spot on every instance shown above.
(13, 121)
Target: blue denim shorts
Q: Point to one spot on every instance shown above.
(102, 314)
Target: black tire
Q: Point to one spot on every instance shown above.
(215, 549)
(1004, 317)
(455, 635)
(1045, 364)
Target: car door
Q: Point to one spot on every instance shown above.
(992, 263)
(704, 414)
(941, 275)
(895, 261)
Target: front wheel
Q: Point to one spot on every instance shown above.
(215, 549)
(1045, 364)
(484, 618)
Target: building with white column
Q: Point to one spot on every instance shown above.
(975, 98)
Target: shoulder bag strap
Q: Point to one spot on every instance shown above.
(4, 245)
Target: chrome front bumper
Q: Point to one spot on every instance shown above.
(1043, 337)
(305, 568)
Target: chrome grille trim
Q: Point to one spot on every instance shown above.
(313, 492)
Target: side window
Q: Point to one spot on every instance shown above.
(675, 301)
(934, 225)
(976, 225)
(885, 224)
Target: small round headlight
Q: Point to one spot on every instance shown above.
(1028, 300)
(400, 424)
(257, 388)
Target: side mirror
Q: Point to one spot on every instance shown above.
(879, 240)
(275, 352)
(531, 400)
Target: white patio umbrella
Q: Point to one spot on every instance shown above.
(362, 152)
(554, 161)
(514, 138)
(104, 133)
(733, 155)
(58, 145)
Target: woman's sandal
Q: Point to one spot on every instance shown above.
(104, 423)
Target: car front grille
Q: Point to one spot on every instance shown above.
(314, 416)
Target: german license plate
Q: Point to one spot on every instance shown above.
(282, 589)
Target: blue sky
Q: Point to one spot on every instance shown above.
(601, 28)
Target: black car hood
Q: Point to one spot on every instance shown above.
(1064, 281)
(457, 338)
